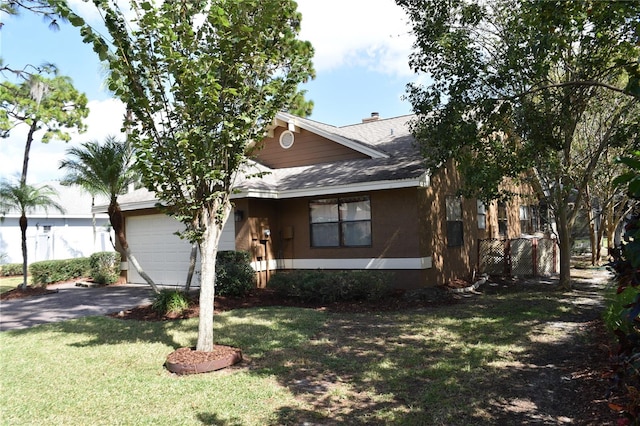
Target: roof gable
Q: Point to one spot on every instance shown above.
(306, 148)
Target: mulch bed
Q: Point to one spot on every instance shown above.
(399, 300)
(19, 293)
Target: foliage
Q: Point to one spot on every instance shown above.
(513, 82)
(106, 169)
(626, 266)
(169, 301)
(24, 198)
(51, 105)
(105, 267)
(202, 80)
(617, 309)
(10, 269)
(100, 169)
(38, 7)
(234, 274)
(52, 271)
(331, 286)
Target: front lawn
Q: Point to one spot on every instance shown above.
(468, 363)
(9, 283)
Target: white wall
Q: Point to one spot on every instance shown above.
(54, 239)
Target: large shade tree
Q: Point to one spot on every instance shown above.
(203, 80)
(24, 199)
(512, 81)
(51, 108)
(106, 169)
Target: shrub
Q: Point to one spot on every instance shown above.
(51, 271)
(169, 301)
(331, 286)
(617, 309)
(234, 274)
(626, 266)
(105, 267)
(10, 269)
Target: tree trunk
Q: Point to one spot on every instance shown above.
(23, 231)
(117, 223)
(27, 149)
(208, 252)
(564, 237)
(593, 240)
(192, 266)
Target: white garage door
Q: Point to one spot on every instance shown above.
(161, 253)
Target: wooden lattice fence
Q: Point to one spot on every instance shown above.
(518, 257)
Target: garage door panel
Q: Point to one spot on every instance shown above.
(161, 253)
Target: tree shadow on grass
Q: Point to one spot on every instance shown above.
(514, 358)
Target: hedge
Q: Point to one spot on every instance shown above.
(51, 271)
(331, 286)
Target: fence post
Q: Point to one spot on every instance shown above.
(534, 253)
(507, 257)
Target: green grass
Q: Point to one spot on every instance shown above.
(9, 283)
(434, 366)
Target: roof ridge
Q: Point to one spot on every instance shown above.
(379, 120)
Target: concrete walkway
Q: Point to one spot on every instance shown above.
(70, 302)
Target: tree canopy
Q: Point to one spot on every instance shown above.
(24, 199)
(202, 80)
(106, 169)
(50, 105)
(513, 80)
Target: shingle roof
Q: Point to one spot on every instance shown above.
(75, 202)
(402, 163)
(391, 136)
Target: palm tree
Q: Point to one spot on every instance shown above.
(25, 198)
(106, 169)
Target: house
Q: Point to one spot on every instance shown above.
(353, 197)
(53, 235)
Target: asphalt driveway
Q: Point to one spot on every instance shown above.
(70, 302)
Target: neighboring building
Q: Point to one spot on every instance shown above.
(352, 197)
(53, 235)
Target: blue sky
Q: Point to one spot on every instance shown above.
(361, 61)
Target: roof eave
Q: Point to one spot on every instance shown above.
(422, 181)
(373, 153)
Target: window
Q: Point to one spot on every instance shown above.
(502, 219)
(454, 221)
(535, 218)
(525, 220)
(482, 214)
(340, 222)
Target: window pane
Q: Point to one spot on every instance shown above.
(454, 208)
(482, 221)
(325, 235)
(356, 233)
(482, 207)
(454, 234)
(324, 211)
(355, 209)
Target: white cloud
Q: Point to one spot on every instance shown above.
(370, 33)
(105, 118)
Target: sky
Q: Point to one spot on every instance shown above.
(361, 61)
